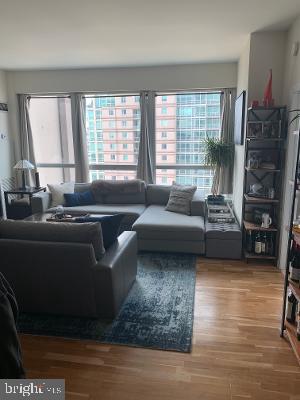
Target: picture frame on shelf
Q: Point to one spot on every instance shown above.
(254, 130)
(271, 130)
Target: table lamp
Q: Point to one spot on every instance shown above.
(24, 165)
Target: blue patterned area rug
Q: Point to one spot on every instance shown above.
(158, 312)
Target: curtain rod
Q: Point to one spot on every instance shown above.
(97, 96)
(112, 93)
(32, 96)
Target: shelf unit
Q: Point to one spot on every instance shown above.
(265, 136)
(260, 200)
(251, 226)
(288, 329)
(262, 170)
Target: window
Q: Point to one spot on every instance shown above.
(51, 125)
(183, 122)
(192, 117)
(113, 137)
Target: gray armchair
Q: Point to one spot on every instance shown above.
(63, 268)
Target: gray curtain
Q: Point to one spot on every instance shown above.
(79, 138)
(222, 182)
(26, 140)
(146, 157)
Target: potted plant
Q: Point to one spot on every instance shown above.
(218, 154)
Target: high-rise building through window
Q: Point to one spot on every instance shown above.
(190, 119)
(112, 151)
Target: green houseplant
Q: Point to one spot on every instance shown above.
(218, 154)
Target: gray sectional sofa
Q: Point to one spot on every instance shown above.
(156, 228)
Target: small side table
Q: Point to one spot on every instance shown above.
(20, 208)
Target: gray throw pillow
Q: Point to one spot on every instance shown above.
(180, 199)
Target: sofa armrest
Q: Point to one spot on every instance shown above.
(198, 205)
(40, 202)
(115, 274)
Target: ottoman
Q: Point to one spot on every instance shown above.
(223, 240)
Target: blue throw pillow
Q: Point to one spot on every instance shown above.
(79, 199)
(110, 225)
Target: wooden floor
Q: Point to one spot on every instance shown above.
(237, 352)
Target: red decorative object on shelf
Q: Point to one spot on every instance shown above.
(268, 99)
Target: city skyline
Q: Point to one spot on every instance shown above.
(183, 121)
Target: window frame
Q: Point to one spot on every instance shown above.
(122, 164)
(162, 166)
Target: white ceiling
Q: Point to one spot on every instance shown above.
(96, 33)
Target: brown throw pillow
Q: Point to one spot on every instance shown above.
(180, 199)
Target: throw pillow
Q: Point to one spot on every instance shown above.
(58, 191)
(79, 199)
(180, 199)
(110, 225)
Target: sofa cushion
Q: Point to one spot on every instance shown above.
(85, 187)
(58, 191)
(180, 199)
(126, 198)
(89, 232)
(157, 223)
(110, 225)
(157, 194)
(119, 192)
(79, 199)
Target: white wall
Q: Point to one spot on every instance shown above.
(107, 80)
(292, 64)
(267, 50)
(5, 139)
(238, 175)
(291, 97)
(217, 75)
